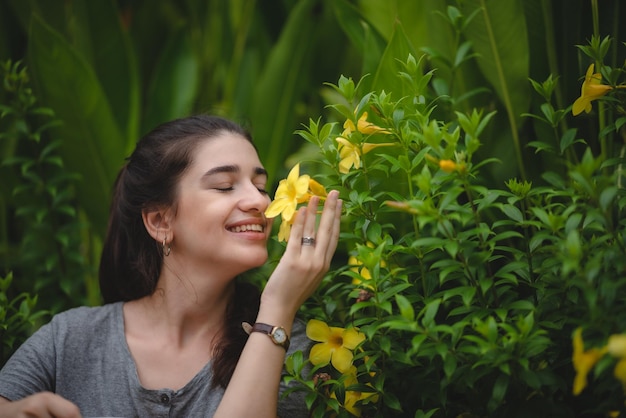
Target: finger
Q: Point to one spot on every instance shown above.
(46, 404)
(64, 408)
(308, 229)
(325, 234)
(334, 235)
(295, 236)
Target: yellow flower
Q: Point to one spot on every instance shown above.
(290, 191)
(620, 372)
(362, 126)
(317, 189)
(353, 396)
(356, 266)
(616, 345)
(403, 206)
(592, 89)
(366, 277)
(447, 165)
(350, 153)
(335, 344)
(583, 361)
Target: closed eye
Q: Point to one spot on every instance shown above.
(230, 189)
(224, 189)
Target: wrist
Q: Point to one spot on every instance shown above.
(276, 315)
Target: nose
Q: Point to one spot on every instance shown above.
(254, 200)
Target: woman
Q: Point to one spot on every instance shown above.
(186, 220)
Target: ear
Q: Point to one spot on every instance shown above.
(158, 225)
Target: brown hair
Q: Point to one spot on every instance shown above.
(131, 260)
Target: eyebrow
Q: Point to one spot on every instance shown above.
(258, 171)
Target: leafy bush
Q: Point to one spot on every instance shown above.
(468, 294)
(18, 318)
(41, 229)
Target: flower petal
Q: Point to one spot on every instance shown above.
(346, 164)
(301, 185)
(320, 354)
(368, 146)
(289, 210)
(276, 207)
(579, 105)
(341, 359)
(586, 362)
(294, 173)
(620, 371)
(317, 330)
(616, 345)
(284, 230)
(343, 142)
(317, 189)
(348, 127)
(352, 338)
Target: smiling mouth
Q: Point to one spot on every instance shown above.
(247, 228)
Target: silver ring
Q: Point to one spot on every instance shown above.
(308, 241)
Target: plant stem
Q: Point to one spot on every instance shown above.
(416, 230)
(601, 108)
(548, 21)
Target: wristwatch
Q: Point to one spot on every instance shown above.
(277, 334)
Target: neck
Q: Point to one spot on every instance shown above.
(188, 309)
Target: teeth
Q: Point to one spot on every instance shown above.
(244, 228)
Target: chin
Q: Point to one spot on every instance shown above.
(254, 261)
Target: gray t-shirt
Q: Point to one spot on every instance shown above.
(83, 356)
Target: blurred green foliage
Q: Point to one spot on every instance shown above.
(44, 240)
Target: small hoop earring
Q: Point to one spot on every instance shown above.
(167, 249)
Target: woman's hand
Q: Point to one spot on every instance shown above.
(303, 266)
(39, 405)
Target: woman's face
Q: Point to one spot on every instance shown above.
(219, 221)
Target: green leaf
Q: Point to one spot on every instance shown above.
(280, 86)
(499, 37)
(92, 142)
(398, 48)
(449, 365)
(115, 64)
(430, 311)
(500, 388)
(607, 196)
(406, 309)
(363, 35)
(174, 84)
(512, 212)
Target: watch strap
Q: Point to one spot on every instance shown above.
(269, 330)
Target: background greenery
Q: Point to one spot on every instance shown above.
(95, 75)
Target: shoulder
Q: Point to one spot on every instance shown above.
(77, 324)
(87, 315)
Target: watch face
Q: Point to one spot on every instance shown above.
(280, 336)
